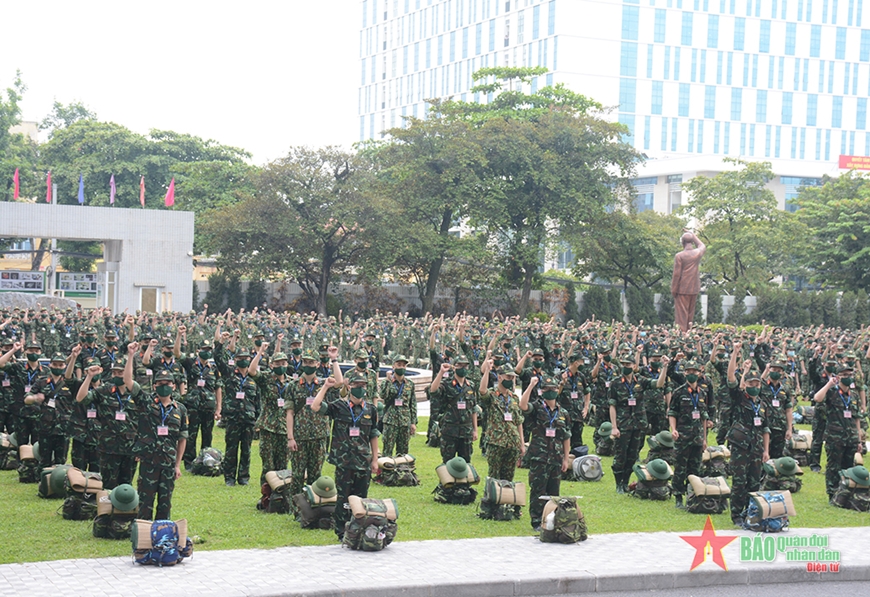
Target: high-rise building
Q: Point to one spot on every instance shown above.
(694, 80)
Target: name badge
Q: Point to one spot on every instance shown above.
(309, 401)
(240, 395)
(295, 376)
(200, 383)
(752, 354)
(696, 414)
(92, 413)
(149, 372)
(200, 333)
(540, 392)
(551, 432)
(606, 384)
(52, 332)
(756, 421)
(847, 414)
(231, 362)
(510, 417)
(353, 431)
(775, 402)
(67, 335)
(574, 395)
(585, 361)
(461, 405)
(280, 403)
(162, 430)
(399, 402)
(632, 402)
(852, 385)
(51, 403)
(120, 415)
(6, 383)
(27, 389)
(477, 363)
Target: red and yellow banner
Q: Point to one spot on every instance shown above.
(854, 162)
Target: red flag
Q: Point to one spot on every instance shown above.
(48, 188)
(170, 194)
(17, 186)
(142, 191)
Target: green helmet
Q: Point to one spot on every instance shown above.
(665, 439)
(659, 469)
(605, 430)
(324, 487)
(36, 451)
(124, 498)
(786, 466)
(57, 478)
(859, 475)
(457, 467)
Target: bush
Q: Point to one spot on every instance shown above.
(614, 297)
(714, 306)
(666, 310)
(216, 296)
(194, 296)
(641, 305)
(571, 310)
(595, 303)
(235, 298)
(256, 294)
(539, 316)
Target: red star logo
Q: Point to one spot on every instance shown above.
(716, 543)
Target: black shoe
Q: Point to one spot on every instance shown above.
(243, 481)
(537, 529)
(340, 538)
(231, 482)
(620, 488)
(815, 468)
(679, 502)
(738, 522)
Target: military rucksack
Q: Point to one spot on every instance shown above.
(604, 446)
(502, 500)
(79, 507)
(648, 487)
(455, 494)
(707, 495)
(110, 523)
(160, 542)
(313, 516)
(8, 452)
(587, 468)
(714, 461)
(397, 472)
(28, 465)
(562, 521)
(669, 455)
(775, 480)
(798, 447)
(276, 496)
(207, 463)
(768, 511)
(372, 525)
(851, 495)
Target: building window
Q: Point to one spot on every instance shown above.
(627, 94)
(812, 109)
(657, 96)
(865, 45)
(713, 31)
(861, 115)
(521, 27)
(793, 186)
(787, 99)
(841, 43)
(761, 106)
(837, 112)
(739, 33)
(686, 37)
(628, 59)
(536, 21)
(551, 18)
(492, 35)
(764, 37)
(815, 40)
(790, 38)
(709, 102)
(644, 193)
(659, 26)
(630, 18)
(736, 102)
(684, 100)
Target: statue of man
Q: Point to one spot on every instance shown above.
(686, 282)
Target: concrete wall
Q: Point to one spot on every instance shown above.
(142, 248)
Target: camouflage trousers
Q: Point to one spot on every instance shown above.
(200, 423)
(7, 422)
(658, 421)
(576, 428)
(777, 443)
(273, 453)
(117, 469)
(820, 423)
(626, 451)
(398, 437)
(840, 455)
(52, 450)
(502, 461)
(724, 418)
(746, 467)
(239, 436)
(544, 479)
(456, 446)
(307, 462)
(25, 430)
(85, 456)
(155, 480)
(348, 482)
(687, 462)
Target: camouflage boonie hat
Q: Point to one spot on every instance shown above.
(310, 355)
(58, 357)
(356, 377)
(279, 356)
(361, 354)
(164, 376)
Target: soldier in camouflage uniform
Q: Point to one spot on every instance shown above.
(203, 388)
(109, 352)
(89, 350)
(272, 422)
(655, 399)
(687, 417)
(354, 442)
(717, 372)
(306, 431)
(778, 399)
(47, 333)
(22, 378)
(52, 396)
(820, 373)
(239, 408)
(400, 408)
(119, 402)
(160, 437)
(550, 445)
(574, 397)
(843, 426)
(748, 435)
(505, 435)
(602, 375)
(628, 418)
(7, 400)
(84, 424)
(457, 419)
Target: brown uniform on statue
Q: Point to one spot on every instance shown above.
(686, 283)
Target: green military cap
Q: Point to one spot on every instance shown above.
(164, 376)
(310, 355)
(279, 356)
(504, 370)
(356, 377)
(538, 352)
(58, 357)
(461, 360)
(206, 344)
(242, 354)
(33, 344)
(457, 467)
(721, 347)
(400, 358)
(575, 356)
(369, 334)
(549, 382)
(692, 365)
(831, 359)
(324, 487)
(844, 368)
(36, 455)
(605, 430)
(7, 342)
(778, 364)
(110, 334)
(475, 334)
(124, 498)
(167, 342)
(13, 439)
(850, 354)
(91, 361)
(665, 438)
(858, 474)
(655, 353)
(659, 469)
(753, 374)
(787, 466)
(119, 363)
(626, 358)
(361, 354)
(88, 330)
(57, 477)
(258, 334)
(604, 348)
(295, 340)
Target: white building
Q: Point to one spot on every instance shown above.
(695, 80)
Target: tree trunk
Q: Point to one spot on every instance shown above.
(428, 297)
(38, 254)
(527, 289)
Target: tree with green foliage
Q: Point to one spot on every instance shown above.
(572, 313)
(848, 309)
(749, 240)
(235, 297)
(738, 310)
(216, 296)
(552, 162)
(617, 310)
(666, 310)
(62, 116)
(837, 215)
(255, 295)
(641, 305)
(862, 309)
(194, 300)
(595, 303)
(714, 305)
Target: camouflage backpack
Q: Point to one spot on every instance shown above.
(370, 533)
(8, 452)
(652, 481)
(714, 461)
(604, 446)
(502, 500)
(403, 475)
(79, 507)
(853, 493)
(28, 464)
(457, 494)
(276, 492)
(707, 495)
(782, 474)
(562, 521)
(207, 463)
(798, 447)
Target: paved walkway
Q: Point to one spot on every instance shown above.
(474, 567)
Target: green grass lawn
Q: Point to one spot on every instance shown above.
(226, 517)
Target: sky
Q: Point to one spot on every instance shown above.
(259, 75)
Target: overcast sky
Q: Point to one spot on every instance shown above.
(260, 75)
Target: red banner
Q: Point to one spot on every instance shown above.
(854, 162)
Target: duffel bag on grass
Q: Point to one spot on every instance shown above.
(369, 533)
(768, 511)
(562, 521)
(160, 542)
(707, 495)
